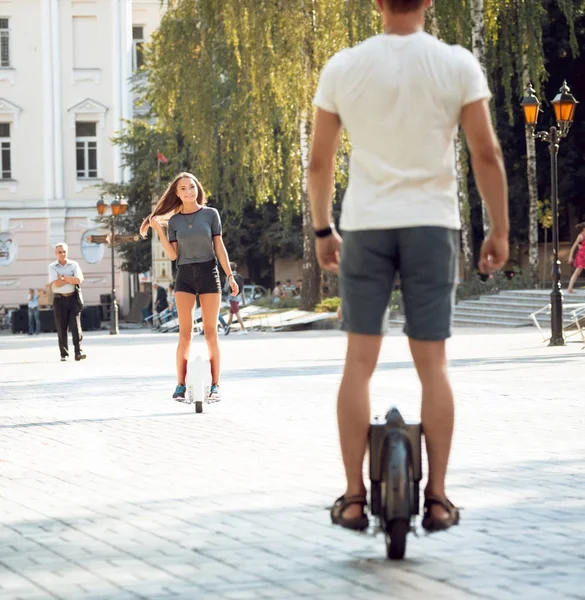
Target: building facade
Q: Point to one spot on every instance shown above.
(65, 69)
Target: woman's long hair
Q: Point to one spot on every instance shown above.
(169, 203)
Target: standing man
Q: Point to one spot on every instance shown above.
(235, 300)
(64, 275)
(161, 303)
(401, 96)
(34, 314)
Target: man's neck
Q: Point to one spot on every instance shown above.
(63, 263)
(403, 24)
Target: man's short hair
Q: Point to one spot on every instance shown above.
(61, 245)
(404, 6)
(233, 266)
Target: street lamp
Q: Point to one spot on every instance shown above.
(564, 106)
(118, 207)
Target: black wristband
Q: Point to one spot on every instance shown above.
(325, 232)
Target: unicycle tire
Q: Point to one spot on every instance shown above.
(198, 407)
(396, 534)
(397, 494)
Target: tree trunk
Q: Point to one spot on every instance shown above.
(432, 22)
(478, 48)
(531, 175)
(333, 284)
(311, 290)
(461, 166)
(462, 192)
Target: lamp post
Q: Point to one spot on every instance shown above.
(118, 206)
(564, 106)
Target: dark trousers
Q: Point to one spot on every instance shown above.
(67, 318)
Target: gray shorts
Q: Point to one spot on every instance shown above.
(426, 259)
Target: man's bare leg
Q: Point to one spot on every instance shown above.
(353, 411)
(438, 414)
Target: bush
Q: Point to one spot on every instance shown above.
(266, 302)
(396, 305)
(328, 305)
(493, 284)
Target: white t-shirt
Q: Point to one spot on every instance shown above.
(400, 100)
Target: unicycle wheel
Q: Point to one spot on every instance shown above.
(396, 534)
(397, 494)
(198, 407)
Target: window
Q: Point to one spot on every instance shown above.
(5, 157)
(4, 43)
(86, 150)
(137, 47)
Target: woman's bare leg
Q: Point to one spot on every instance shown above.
(210, 315)
(185, 304)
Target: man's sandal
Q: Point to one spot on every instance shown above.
(355, 524)
(432, 524)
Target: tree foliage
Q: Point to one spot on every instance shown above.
(230, 86)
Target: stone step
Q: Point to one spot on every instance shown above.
(478, 321)
(538, 295)
(509, 308)
(485, 304)
(502, 309)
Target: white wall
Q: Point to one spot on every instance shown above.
(49, 83)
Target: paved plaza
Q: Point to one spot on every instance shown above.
(109, 490)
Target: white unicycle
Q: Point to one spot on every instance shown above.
(198, 381)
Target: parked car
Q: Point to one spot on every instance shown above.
(253, 292)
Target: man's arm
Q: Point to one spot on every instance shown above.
(490, 176)
(326, 136)
(76, 278)
(55, 278)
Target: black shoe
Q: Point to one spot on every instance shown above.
(80, 356)
(63, 358)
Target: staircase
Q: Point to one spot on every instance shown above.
(509, 308)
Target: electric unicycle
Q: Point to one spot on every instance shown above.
(395, 474)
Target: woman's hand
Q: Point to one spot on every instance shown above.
(155, 224)
(570, 261)
(234, 286)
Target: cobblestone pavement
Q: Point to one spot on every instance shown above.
(110, 490)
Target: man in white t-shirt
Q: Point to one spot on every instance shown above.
(401, 96)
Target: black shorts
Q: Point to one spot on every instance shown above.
(198, 278)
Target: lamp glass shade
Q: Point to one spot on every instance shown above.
(531, 113)
(564, 111)
(101, 207)
(564, 105)
(530, 106)
(123, 207)
(116, 207)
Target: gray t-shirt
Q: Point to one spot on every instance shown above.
(194, 234)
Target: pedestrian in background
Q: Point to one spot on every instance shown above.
(235, 301)
(578, 259)
(34, 315)
(64, 275)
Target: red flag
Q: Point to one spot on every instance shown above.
(162, 158)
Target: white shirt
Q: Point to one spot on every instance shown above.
(400, 100)
(69, 269)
